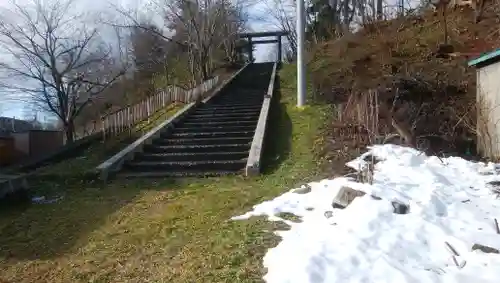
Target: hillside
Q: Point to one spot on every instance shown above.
(403, 60)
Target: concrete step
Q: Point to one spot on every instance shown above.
(238, 102)
(203, 111)
(221, 134)
(235, 98)
(192, 156)
(214, 107)
(215, 114)
(177, 174)
(151, 148)
(202, 141)
(210, 128)
(203, 124)
(240, 94)
(232, 106)
(190, 119)
(218, 165)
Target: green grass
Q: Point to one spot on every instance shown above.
(169, 230)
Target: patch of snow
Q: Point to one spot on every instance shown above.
(450, 204)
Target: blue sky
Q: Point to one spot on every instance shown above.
(12, 108)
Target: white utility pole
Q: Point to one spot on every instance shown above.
(301, 76)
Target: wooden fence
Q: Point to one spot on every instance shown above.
(126, 118)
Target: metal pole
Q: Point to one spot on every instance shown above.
(301, 78)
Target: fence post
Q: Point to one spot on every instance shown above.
(103, 128)
(115, 123)
(128, 123)
(118, 122)
(136, 112)
(112, 124)
(148, 107)
(122, 121)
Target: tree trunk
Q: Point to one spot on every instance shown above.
(192, 68)
(204, 65)
(345, 24)
(205, 71)
(380, 12)
(445, 24)
(69, 131)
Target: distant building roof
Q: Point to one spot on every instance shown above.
(486, 59)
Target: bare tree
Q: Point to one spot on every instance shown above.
(197, 24)
(54, 60)
(232, 21)
(199, 28)
(281, 12)
(148, 49)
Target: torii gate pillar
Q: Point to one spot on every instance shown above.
(250, 49)
(279, 49)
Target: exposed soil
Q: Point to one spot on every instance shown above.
(408, 64)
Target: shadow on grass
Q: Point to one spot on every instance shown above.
(82, 167)
(278, 140)
(44, 231)
(84, 205)
(88, 152)
(13, 204)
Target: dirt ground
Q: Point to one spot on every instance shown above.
(411, 68)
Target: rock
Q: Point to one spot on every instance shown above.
(304, 189)
(485, 249)
(485, 172)
(279, 226)
(328, 214)
(400, 208)
(345, 196)
(375, 197)
(289, 216)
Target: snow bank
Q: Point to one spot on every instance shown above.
(450, 202)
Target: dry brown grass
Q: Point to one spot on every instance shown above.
(401, 60)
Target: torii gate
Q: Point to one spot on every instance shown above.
(250, 35)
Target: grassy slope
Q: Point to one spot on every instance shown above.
(168, 231)
(99, 151)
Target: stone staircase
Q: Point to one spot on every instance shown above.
(212, 140)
